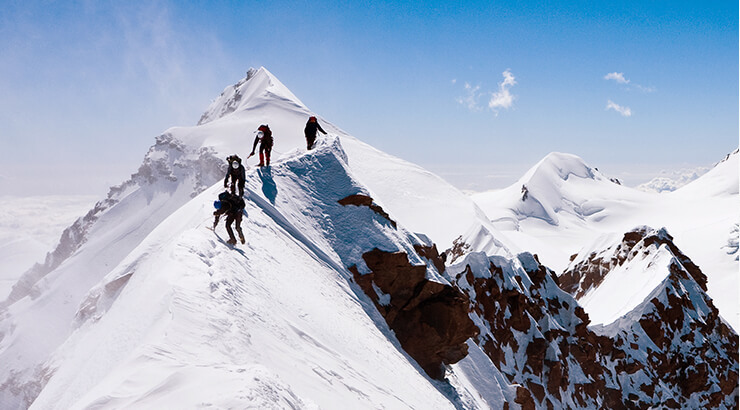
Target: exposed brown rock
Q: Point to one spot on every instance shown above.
(431, 254)
(430, 319)
(459, 248)
(524, 398)
(364, 200)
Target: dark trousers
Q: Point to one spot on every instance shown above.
(240, 185)
(310, 140)
(231, 218)
(265, 151)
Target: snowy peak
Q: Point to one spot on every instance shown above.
(722, 180)
(613, 276)
(652, 301)
(642, 245)
(559, 166)
(259, 85)
(559, 186)
(672, 350)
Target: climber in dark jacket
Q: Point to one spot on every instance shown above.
(232, 206)
(264, 137)
(236, 172)
(310, 131)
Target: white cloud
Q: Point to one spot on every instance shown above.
(645, 89)
(470, 99)
(454, 81)
(618, 77)
(624, 111)
(503, 98)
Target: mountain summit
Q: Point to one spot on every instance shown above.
(258, 87)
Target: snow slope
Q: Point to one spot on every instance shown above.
(419, 198)
(184, 320)
(570, 204)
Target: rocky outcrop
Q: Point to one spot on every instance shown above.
(588, 270)
(683, 353)
(674, 350)
(430, 318)
(364, 200)
(536, 334)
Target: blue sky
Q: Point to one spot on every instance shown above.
(632, 87)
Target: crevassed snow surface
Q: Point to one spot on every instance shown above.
(570, 204)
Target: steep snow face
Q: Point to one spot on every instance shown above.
(424, 201)
(38, 312)
(611, 279)
(275, 322)
(702, 217)
(258, 87)
(720, 181)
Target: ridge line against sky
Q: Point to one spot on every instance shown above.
(477, 93)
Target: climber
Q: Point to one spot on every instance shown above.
(264, 137)
(236, 172)
(311, 127)
(232, 206)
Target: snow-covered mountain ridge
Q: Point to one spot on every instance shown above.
(570, 204)
(339, 297)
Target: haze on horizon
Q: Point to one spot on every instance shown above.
(477, 93)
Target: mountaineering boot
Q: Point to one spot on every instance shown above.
(241, 237)
(231, 241)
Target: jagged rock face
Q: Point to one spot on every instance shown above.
(687, 353)
(430, 318)
(458, 249)
(674, 350)
(537, 335)
(588, 271)
(364, 200)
